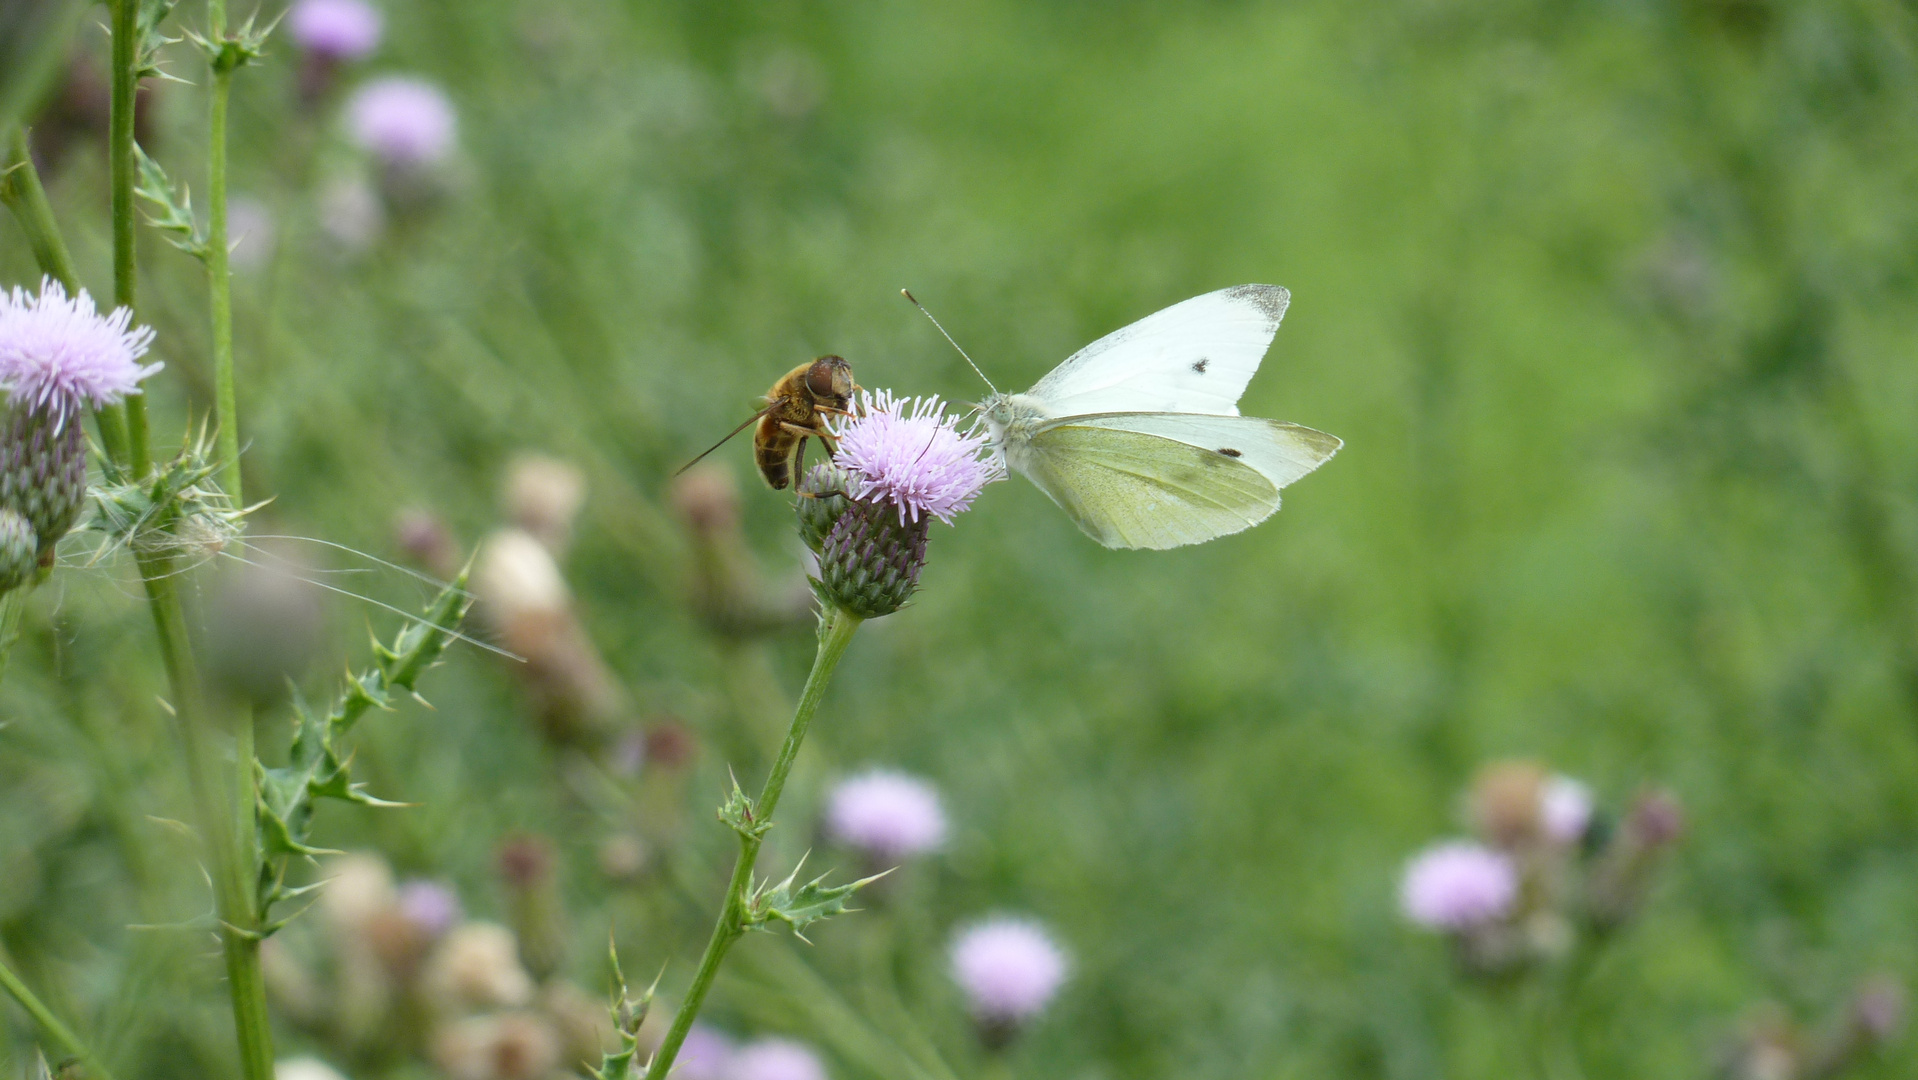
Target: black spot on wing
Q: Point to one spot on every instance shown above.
(1200, 365)
(1229, 452)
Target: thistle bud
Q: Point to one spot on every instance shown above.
(822, 499)
(43, 474)
(19, 551)
(58, 358)
(869, 564)
(528, 867)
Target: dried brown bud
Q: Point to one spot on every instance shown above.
(1505, 802)
(506, 1046)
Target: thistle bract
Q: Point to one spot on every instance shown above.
(822, 499)
(19, 551)
(869, 562)
(43, 474)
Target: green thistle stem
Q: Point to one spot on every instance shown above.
(219, 275)
(51, 1025)
(126, 57)
(835, 634)
(22, 192)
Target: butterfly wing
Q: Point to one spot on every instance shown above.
(1195, 356)
(1280, 452)
(1130, 489)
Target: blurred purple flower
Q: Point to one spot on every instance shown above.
(1008, 968)
(351, 213)
(432, 906)
(705, 1055)
(59, 355)
(909, 453)
(776, 1059)
(889, 814)
(335, 29)
(1565, 809)
(405, 122)
(1458, 885)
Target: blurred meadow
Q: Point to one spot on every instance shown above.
(1613, 303)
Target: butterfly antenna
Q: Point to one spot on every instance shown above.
(907, 293)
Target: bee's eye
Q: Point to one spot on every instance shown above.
(819, 379)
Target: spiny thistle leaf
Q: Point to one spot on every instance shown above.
(147, 20)
(175, 214)
(742, 814)
(317, 766)
(801, 907)
(628, 1014)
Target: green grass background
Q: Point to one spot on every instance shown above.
(1612, 302)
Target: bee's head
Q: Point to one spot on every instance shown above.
(830, 379)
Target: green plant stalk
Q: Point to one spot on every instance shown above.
(126, 48)
(834, 635)
(219, 274)
(21, 190)
(226, 821)
(51, 1025)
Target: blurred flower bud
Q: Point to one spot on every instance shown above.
(543, 495)
(1878, 1009)
(433, 906)
(707, 1054)
(584, 1028)
(670, 744)
(624, 857)
(526, 603)
(888, 815)
(1565, 810)
(1009, 970)
(1458, 886)
(776, 1059)
(427, 542)
(1505, 802)
(1768, 1047)
(305, 1068)
(359, 887)
(726, 589)
(477, 967)
(265, 623)
(528, 869)
(1625, 870)
(504, 1046)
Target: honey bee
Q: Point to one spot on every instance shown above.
(795, 411)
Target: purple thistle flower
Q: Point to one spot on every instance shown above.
(432, 906)
(909, 453)
(58, 354)
(706, 1054)
(337, 30)
(405, 122)
(889, 814)
(776, 1059)
(1458, 885)
(1008, 968)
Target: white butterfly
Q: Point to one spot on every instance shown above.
(1138, 435)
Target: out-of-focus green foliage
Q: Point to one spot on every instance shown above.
(1613, 303)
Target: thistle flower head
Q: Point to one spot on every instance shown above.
(335, 29)
(776, 1059)
(1458, 885)
(432, 906)
(58, 354)
(405, 122)
(1008, 968)
(888, 814)
(910, 454)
